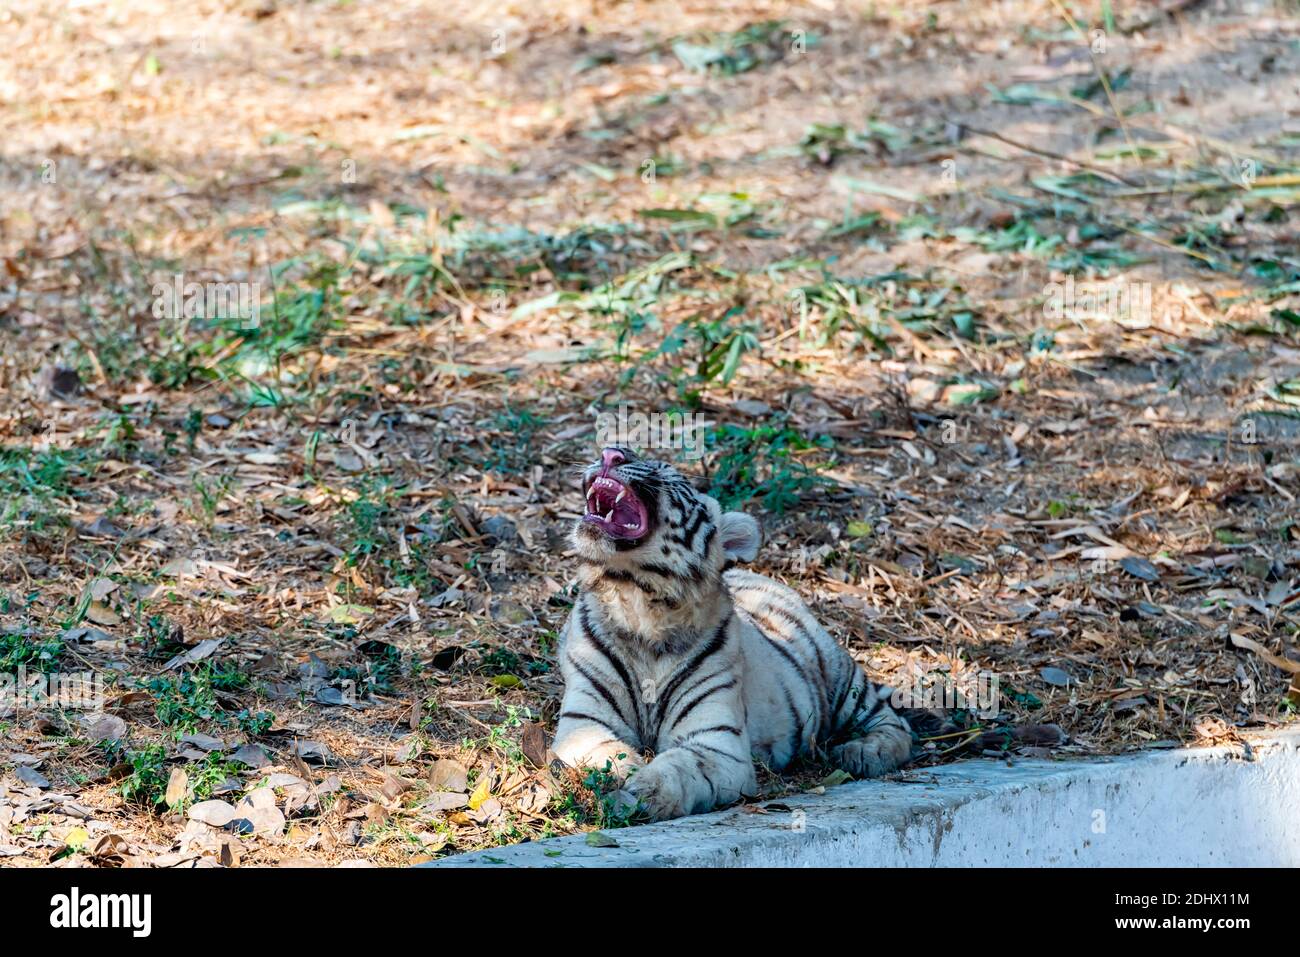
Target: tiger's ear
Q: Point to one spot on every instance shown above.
(740, 536)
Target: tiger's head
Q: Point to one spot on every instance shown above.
(645, 522)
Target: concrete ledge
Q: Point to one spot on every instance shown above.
(1229, 806)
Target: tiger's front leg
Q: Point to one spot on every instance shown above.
(587, 741)
(601, 722)
(705, 761)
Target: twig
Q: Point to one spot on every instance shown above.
(1105, 80)
(1099, 170)
(953, 734)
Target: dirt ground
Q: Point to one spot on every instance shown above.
(990, 309)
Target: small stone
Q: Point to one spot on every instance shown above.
(64, 382)
(500, 530)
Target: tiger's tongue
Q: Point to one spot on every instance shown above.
(606, 505)
(625, 513)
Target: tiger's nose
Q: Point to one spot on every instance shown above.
(611, 457)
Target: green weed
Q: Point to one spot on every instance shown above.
(32, 479)
(760, 463)
(147, 781)
(187, 701)
(19, 651)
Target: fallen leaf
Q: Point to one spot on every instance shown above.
(31, 777)
(482, 791)
(1139, 567)
(532, 741)
(411, 750)
(445, 801)
(177, 786)
(486, 812)
(313, 751)
(101, 614)
(108, 845)
(836, 778)
(350, 614)
(1286, 664)
(261, 820)
(101, 588)
(204, 742)
(251, 755)
(448, 775)
(1055, 676)
(203, 649)
(104, 727)
(394, 787)
(213, 813)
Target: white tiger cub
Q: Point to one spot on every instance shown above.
(670, 651)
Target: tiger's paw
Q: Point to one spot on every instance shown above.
(660, 792)
(873, 755)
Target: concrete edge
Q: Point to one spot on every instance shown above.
(1130, 810)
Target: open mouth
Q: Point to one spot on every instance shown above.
(614, 508)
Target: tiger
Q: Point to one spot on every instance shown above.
(681, 669)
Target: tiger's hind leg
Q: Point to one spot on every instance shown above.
(877, 752)
(880, 740)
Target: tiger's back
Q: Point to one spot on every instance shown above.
(801, 688)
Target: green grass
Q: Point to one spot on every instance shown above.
(146, 782)
(254, 723)
(370, 515)
(591, 803)
(759, 463)
(503, 739)
(207, 496)
(188, 701)
(161, 637)
(375, 674)
(825, 142)
(32, 479)
(207, 775)
(697, 354)
(17, 651)
(733, 53)
(514, 454)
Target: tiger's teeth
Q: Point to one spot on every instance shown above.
(610, 516)
(620, 496)
(591, 491)
(630, 525)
